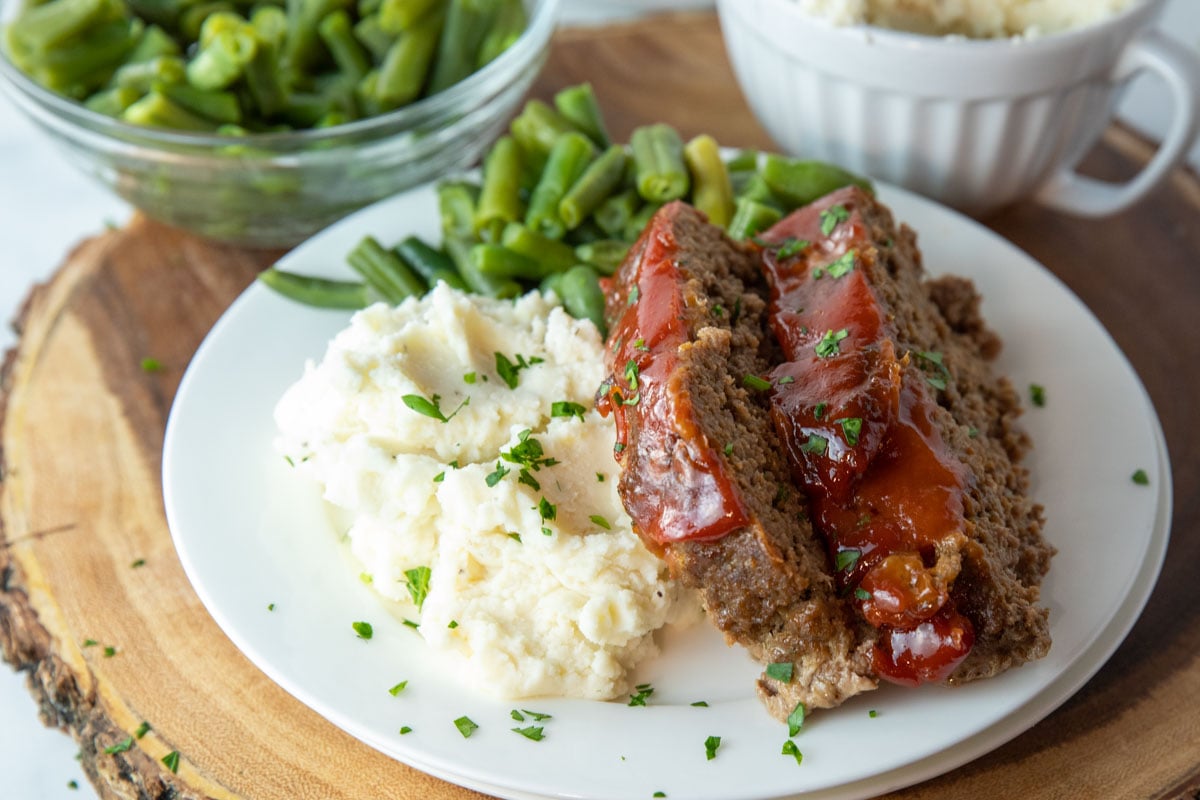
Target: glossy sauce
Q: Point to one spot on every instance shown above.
(683, 490)
(883, 488)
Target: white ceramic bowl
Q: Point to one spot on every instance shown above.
(975, 124)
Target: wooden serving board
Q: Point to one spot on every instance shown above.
(85, 553)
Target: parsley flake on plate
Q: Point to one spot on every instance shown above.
(711, 745)
(466, 726)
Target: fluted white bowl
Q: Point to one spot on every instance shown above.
(976, 124)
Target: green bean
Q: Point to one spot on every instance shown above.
(336, 32)
(551, 254)
(192, 19)
(658, 154)
(223, 58)
(263, 79)
(497, 261)
(743, 161)
(552, 283)
(566, 163)
(408, 62)
(432, 265)
(467, 22)
(332, 93)
(302, 48)
(638, 222)
(113, 102)
(369, 31)
(601, 178)
(578, 104)
(756, 189)
(798, 183)
(396, 16)
(41, 27)
(614, 213)
(88, 64)
(711, 190)
(500, 197)
(751, 217)
(154, 43)
(536, 129)
(508, 26)
(605, 255)
(384, 272)
(317, 292)
(582, 296)
(217, 106)
(142, 75)
(164, 13)
(456, 204)
(156, 111)
(459, 250)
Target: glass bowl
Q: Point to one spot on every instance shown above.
(276, 189)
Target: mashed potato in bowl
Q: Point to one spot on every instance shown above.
(977, 19)
(457, 434)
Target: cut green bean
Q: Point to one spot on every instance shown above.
(756, 189)
(614, 213)
(223, 59)
(497, 261)
(582, 296)
(409, 61)
(638, 222)
(511, 21)
(552, 283)
(41, 27)
(566, 163)
(578, 104)
(192, 19)
(318, 292)
(369, 31)
(601, 178)
(156, 111)
(500, 198)
(302, 48)
(751, 218)
(605, 255)
(397, 16)
(536, 129)
(467, 22)
(712, 192)
(154, 43)
(432, 265)
(743, 161)
(336, 31)
(142, 75)
(456, 204)
(384, 272)
(662, 175)
(89, 63)
(551, 254)
(217, 106)
(113, 102)
(459, 250)
(264, 81)
(799, 183)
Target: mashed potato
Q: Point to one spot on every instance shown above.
(493, 484)
(980, 19)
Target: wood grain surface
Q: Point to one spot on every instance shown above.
(85, 554)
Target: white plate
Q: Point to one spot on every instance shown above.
(250, 533)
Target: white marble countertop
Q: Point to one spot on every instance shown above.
(46, 208)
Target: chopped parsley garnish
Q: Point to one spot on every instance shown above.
(516, 715)
(781, 671)
(832, 217)
(525, 477)
(536, 716)
(509, 371)
(432, 408)
(416, 580)
(861, 593)
(534, 733)
(139, 562)
(89, 643)
(640, 344)
(631, 374)
(469, 378)
(852, 429)
(972, 432)
(872, 713)
(528, 452)
(843, 266)
(171, 761)
(1140, 478)
(1037, 395)
(829, 344)
(363, 629)
(151, 365)
(711, 745)
(933, 357)
(514, 536)
(547, 532)
(790, 749)
(659, 794)
(270, 606)
(633, 297)
(142, 730)
(619, 447)
(815, 444)
(700, 704)
(791, 246)
(496, 475)
(718, 310)
(819, 410)
(729, 448)
(398, 688)
(795, 720)
(785, 380)
(601, 521)
(410, 623)
(565, 408)
(465, 726)
(599, 477)
(452, 624)
(642, 693)
(441, 476)
(547, 510)
(846, 559)
(109, 652)
(405, 730)
(737, 311)
(74, 784)
(756, 383)
(121, 746)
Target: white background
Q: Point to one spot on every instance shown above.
(46, 208)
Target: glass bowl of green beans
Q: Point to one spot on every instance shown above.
(166, 142)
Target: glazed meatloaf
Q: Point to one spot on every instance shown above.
(811, 435)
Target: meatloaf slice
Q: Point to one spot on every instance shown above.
(906, 442)
(704, 477)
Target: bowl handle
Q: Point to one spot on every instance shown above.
(1179, 68)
